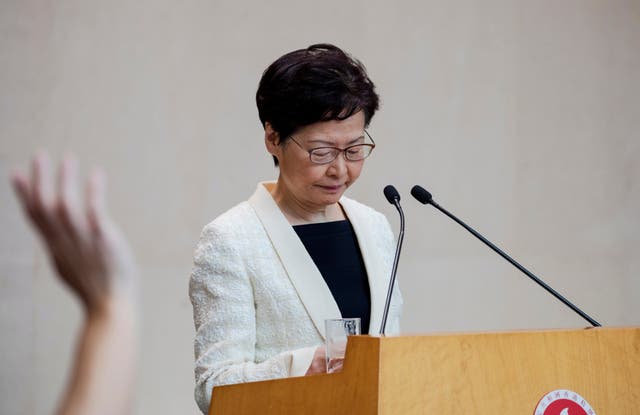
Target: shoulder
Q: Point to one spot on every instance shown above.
(238, 220)
(235, 226)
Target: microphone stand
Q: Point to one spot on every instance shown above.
(396, 202)
(426, 198)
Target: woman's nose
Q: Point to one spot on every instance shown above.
(338, 166)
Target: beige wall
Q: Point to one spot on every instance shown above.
(521, 117)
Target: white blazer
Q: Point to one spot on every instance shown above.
(259, 301)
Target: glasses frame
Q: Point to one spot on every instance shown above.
(340, 150)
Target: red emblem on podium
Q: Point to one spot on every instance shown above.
(563, 402)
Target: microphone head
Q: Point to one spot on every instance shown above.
(391, 194)
(421, 194)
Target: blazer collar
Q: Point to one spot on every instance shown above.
(303, 272)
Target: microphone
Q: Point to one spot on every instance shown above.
(391, 194)
(393, 197)
(424, 197)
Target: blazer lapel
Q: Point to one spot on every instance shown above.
(376, 273)
(302, 271)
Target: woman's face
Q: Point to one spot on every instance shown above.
(316, 186)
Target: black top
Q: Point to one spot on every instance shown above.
(334, 249)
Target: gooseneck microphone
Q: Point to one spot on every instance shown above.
(393, 197)
(424, 197)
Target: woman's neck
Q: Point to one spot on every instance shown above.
(299, 213)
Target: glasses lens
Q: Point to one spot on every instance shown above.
(323, 155)
(359, 152)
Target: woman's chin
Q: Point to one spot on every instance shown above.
(332, 199)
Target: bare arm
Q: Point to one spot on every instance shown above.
(94, 261)
(102, 381)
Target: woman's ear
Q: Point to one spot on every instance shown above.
(271, 140)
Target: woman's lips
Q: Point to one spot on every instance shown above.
(331, 189)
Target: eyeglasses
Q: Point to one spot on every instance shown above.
(325, 155)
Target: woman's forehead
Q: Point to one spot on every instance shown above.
(333, 131)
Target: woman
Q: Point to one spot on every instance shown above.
(268, 272)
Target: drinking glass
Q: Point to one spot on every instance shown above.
(337, 330)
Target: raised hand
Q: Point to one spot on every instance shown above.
(87, 249)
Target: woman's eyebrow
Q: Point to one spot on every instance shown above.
(330, 143)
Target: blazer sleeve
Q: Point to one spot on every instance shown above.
(224, 315)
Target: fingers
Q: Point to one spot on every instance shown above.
(95, 201)
(41, 183)
(61, 214)
(335, 366)
(21, 188)
(85, 246)
(52, 212)
(34, 191)
(67, 200)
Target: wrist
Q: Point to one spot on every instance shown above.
(112, 308)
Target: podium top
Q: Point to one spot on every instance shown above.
(472, 373)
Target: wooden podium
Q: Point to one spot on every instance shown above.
(482, 373)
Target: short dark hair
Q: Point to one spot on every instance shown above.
(319, 83)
